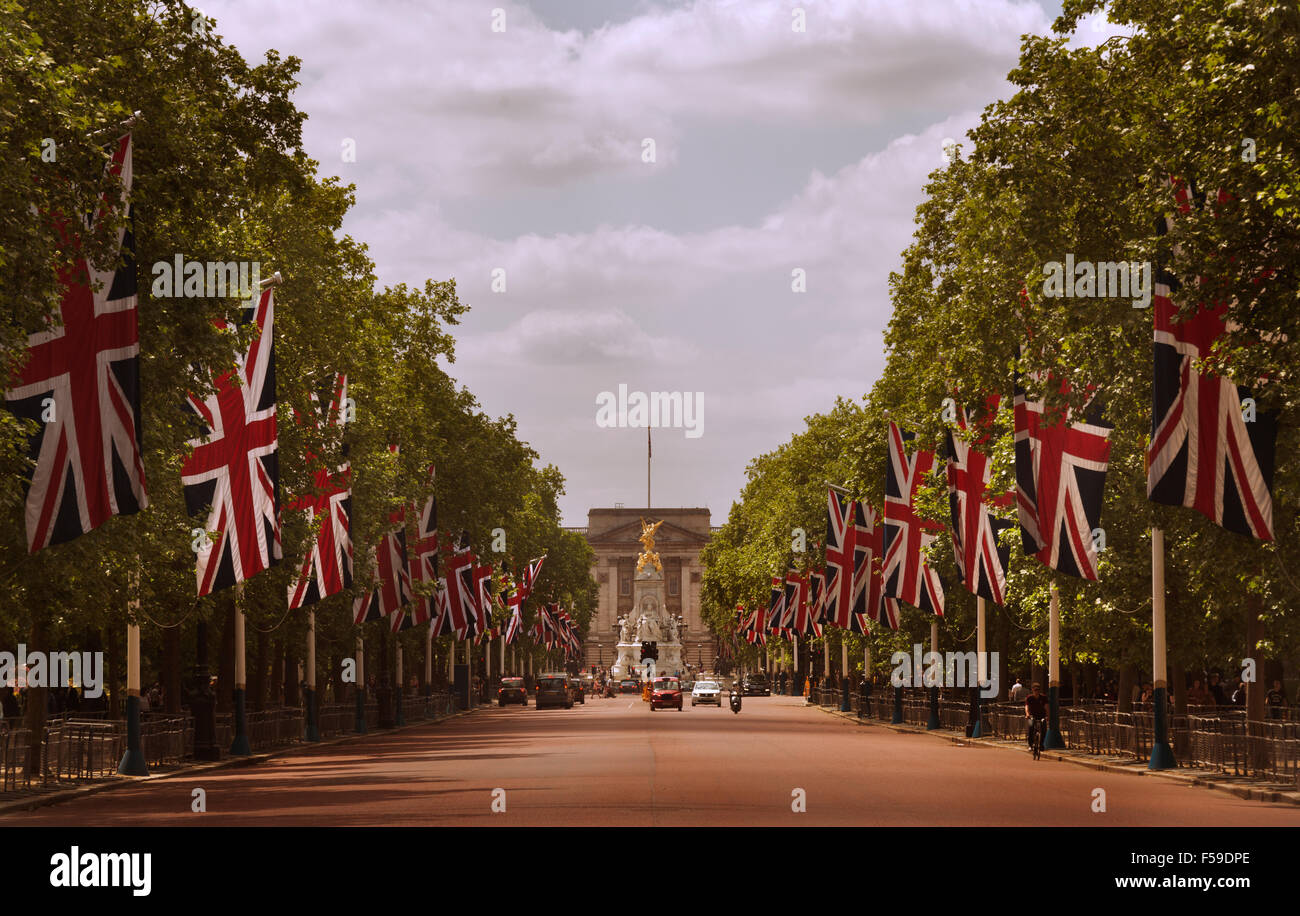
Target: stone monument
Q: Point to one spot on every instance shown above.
(649, 620)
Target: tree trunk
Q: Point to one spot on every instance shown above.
(1178, 683)
(172, 670)
(290, 674)
(1004, 653)
(36, 698)
(1255, 690)
(226, 662)
(257, 674)
(277, 672)
(336, 678)
(1128, 675)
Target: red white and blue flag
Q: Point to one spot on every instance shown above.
(869, 599)
(484, 594)
(796, 602)
(327, 568)
(423, 555)
(1203, 453)
(81, 384)
(838, 602)
(232, 475)
(817, 595)
(462, 596)
(982, 560)
(1060, 481)
(908, 577)
(392, 576)
(776, 606)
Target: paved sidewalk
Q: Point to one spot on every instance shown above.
(42, 797)
(1240, 786)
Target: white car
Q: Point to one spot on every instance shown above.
(707, 692)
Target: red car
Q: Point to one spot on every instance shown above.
(512, 691)
(665, 693)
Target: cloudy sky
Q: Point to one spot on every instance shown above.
(513, 136)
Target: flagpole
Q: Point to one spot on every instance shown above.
(428, 663)
(1162, 755)
(133, 762)
(1052, 740)
(981, 667)
(359, 725)
(309, 700)
(648, 453)
(239, 747)
(400, 717)
(846, 705)
(898, 691)
(933, 722)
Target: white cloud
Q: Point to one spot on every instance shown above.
(447, 113)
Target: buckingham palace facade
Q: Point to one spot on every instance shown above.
(613, 535)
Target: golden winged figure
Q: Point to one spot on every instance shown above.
(647, 539)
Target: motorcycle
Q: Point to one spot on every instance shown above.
(735, 700)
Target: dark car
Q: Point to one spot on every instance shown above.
(756, 685)
(666, 693)
(577, 691)
(512, 691)
(630, 686)
(553, 690)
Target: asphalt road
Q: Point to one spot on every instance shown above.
(613, 762)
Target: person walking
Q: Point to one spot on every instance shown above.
(1018, 692)
(1275, 700)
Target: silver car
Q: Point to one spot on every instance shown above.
(707, 692)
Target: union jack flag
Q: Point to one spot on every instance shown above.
(1203, 454)
(483, 594)
(392, 576)
(461, 593)
(982, 559)
(908, 576)
(441, 623)
(531, 574)
(817, 595)
(327, 568)
(233, 471)
(869, 598)
(838, 603)
(1060, 478)
(81, 384)
(516, 624)
(424, 566)
(776, 606)
(796, 601)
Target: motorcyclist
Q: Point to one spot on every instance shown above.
(736, 694)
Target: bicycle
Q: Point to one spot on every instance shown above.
(1037, 726)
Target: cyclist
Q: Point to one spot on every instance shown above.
(1036, 714)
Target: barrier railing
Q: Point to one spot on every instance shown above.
(73, 749)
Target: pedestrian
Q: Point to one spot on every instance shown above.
(9, 703)
(1239, 695)
(1275, 700)
(1217, 692)
(1017, 694)
(1198, 694)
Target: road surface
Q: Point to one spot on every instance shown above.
(613, 762)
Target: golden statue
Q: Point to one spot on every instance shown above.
(648, 554)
